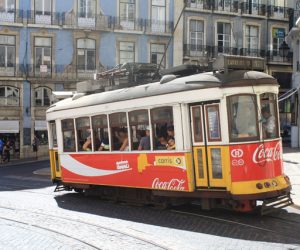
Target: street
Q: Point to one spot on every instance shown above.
(34, 217)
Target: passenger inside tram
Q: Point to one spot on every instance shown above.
(145, 140)
(268, 123)
(122, 136)
(162, 143)
(171, 144)
(87, 146)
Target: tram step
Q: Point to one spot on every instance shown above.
(61, 188)
(271, 205)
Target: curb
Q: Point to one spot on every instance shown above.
(16, 163)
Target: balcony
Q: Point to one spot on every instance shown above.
(279, 12)
(43, 18)
(253, 9)
(200, 4)
(56, 72)
(226, 6)
(11, 16)
(271, 56)
(192, 50)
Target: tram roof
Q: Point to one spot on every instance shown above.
(206, 80)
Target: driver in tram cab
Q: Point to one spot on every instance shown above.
(268, 123)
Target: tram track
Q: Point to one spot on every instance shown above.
(230, 221)
(82, 223)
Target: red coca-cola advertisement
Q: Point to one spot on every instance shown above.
(167, 171)
(256, 161)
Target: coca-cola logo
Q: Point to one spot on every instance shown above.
(173, 184)
(263, 154)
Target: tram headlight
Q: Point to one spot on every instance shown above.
(259, 186)
(267, 184)
(274, 183)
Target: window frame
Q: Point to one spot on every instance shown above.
(193, 123)
(277, 122)
(133, 51)
(249, 39)
(86, 13)
(209, 139)
(6, 97)
(229, 118)
(86, 50)
(156, 21)
(224, 36)
(158, 53)
(108, 131)
(74, 131)
(43, 97)
(49, 71)
(8, 10)
(6, 46)
(43, 11)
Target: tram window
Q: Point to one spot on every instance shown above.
(163, 128)
(242, 117)
(68, 135)
(269, 118)
(83, 129)
(197, 124)
(53, 135)
(216, 162)
(139, 130)
(213, 122)
(100, 132)
(119, 131)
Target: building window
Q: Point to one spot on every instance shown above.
(158, 15)
(43, 55)
(196, 35)
(127, 13)
(223, 5)
(7, 6)
(156, 53)
(9, 96)
(42, 7)
(86, 54)
(278, 35)
(277, 7)
(7, 55)
(127, 54)
(252, 40)
(42, 96)
(224, 37)
(7, 10)
(86, 8)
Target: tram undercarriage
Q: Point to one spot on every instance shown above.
(208, 199)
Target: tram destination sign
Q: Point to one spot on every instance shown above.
(228, 62)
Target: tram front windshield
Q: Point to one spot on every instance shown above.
(246, 117)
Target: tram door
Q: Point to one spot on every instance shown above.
(54, 158)
(210, 155)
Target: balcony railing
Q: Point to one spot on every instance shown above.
(57, 72)
(11, 16)
(192, 50)
(200, 4)
(253, 9)
(278, 12)
(44, 18)
(227, 6)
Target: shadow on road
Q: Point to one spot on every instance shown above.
(21, 176)
(285, 232)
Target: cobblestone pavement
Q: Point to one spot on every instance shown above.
(33, 217)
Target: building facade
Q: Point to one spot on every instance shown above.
(50, 45)
(245, 27)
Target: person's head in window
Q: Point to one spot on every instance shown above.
(268, 123)
(123, 137)
(87, 146)
(162, 142)
(171, 143)
(170, 131)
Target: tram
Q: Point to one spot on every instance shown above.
(210, 137)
